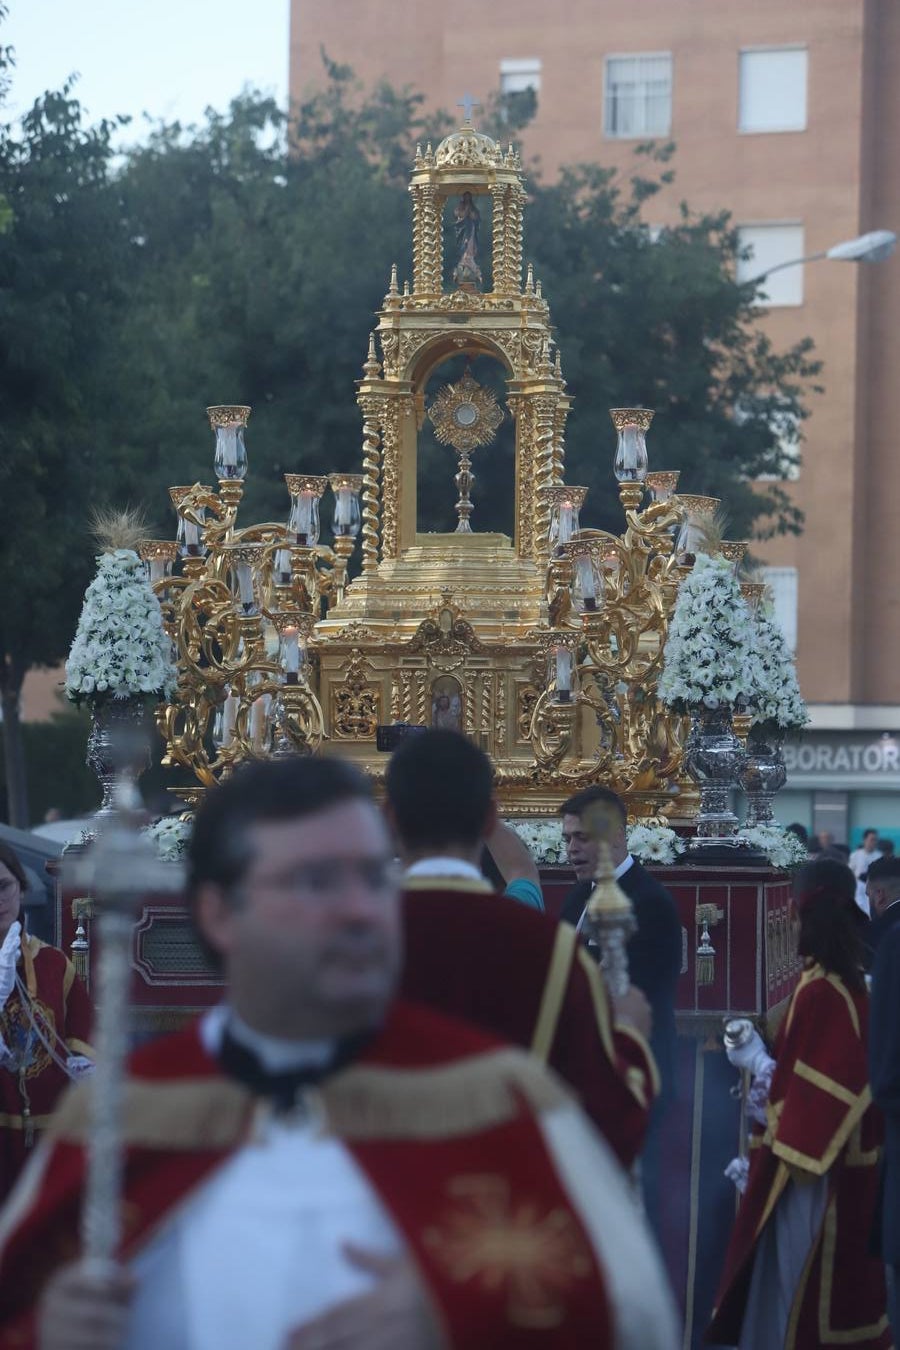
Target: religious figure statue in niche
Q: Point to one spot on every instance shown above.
(466, 223)
(446, 705)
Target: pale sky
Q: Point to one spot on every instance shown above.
(170, 58)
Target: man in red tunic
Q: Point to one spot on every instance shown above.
(316, 1164)
(478, 955)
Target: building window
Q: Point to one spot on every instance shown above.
(785, 427)
(520, 81)
(782, 581)
(772, 89)
(517, 75)
(637, 98)
(769, 246)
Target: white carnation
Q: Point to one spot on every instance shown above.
(543, 839)
(782, 847)
(654, 843)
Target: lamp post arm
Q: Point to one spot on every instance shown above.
(779, 267)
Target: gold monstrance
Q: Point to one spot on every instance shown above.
(465, 416)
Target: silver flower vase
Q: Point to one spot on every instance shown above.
(714, 757)
(762, 775)
(118, 750)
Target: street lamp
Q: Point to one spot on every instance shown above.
(871, 247)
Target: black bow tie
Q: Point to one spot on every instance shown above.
(282, 1087)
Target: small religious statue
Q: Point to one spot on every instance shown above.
(446, 705)
(466, 223)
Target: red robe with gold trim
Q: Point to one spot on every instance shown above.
(455, 1154)
(477, 955)
(59, 1003)
(821, 1121)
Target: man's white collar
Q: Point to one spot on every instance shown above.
(444, 867)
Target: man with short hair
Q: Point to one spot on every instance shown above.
(315, 1165)
(654, 951)
(474, 954)
(883, 897)
(860, 861)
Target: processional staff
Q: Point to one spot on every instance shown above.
(609, 919)
(120, 869)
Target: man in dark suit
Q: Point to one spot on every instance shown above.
(654, 952)
(883, 890)
(883, 893)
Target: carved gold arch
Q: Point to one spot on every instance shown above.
(426, 359)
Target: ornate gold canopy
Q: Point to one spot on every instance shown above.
(543, 646)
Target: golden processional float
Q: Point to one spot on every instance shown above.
(545, 647)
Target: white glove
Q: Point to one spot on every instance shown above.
(9, 956)
(737, 1171)
(79, 1066)
(753, 1055)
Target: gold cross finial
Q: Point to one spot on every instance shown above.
(467, 103)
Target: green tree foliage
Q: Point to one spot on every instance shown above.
(63, 254)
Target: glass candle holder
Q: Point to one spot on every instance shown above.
(158, 556)
(228, 421)
(562, 668)
(564, 503)
(244, 560)
(662, 483)
(225, 721)
(347, 515)
(587, 584)
(632, 425)
(189, 536)
(303, 522)
(693, 536)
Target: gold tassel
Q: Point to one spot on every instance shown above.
(706, 958)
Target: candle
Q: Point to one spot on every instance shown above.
(302, 519)
(229, 719)
(229, 446)
(290, 658)
(563, 675)
(245, 587)
(283, 566)
(342, 509)
(585, 573)
(565, 523)
(259, 714)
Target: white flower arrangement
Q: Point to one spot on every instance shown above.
(782, 847)
(170, 834)
(654, 843)
(121, 649)
(779, 703)
(709, 658)
(543, 839)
